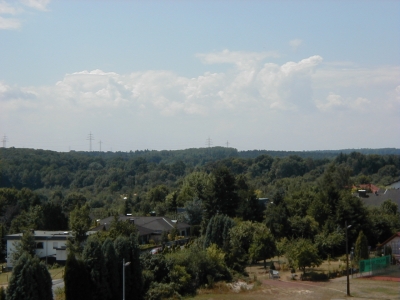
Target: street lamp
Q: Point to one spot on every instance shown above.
(347, 260)
(123, 276)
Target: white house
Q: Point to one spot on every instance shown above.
(50, 245)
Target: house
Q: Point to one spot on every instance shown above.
(379, 196)
(50, 245)
(149, 228)
(394, 243)
(394, 185)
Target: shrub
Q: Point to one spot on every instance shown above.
(314, 276)
(160, 291)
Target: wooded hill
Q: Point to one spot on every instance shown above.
(309, 202)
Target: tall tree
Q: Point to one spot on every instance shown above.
(303, 253)
(263, 244)
(361, 249)
(76, 279)
(29, 280)
(26, 245)
(79, 223)
(218, 231)
(94, 260)
(135, 269)
(111, 264)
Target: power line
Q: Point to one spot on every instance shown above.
(90, 138)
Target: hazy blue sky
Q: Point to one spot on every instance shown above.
(277, 75)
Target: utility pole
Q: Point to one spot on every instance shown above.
(4, 140)
(347, 259)
(90, 139)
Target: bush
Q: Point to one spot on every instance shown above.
(160, 291)
(314, 276)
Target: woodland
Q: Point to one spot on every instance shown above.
(307, 199)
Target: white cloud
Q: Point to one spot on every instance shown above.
(15, 9)
(9, 23)
(6, 8)
(247, 91)
(295, 44)
(241, 59)
(37, 4)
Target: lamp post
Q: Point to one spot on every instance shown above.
(123, 276)
(347, 260)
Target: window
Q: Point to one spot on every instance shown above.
(39, 245)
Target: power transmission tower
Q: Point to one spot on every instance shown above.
(227, 144)
(4, 140)
(100, 145)
(90, 138)
(209, 142)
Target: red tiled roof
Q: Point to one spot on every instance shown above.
(367, 186)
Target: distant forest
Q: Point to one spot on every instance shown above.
(37, 184)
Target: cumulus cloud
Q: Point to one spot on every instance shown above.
(295, 44)
(251, 86)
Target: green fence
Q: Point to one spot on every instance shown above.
(374, 264)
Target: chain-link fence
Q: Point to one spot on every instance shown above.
(374, 266)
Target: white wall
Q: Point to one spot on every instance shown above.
(47, 250)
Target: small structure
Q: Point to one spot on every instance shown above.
(394, 243)
(149, 228)
(50, 245)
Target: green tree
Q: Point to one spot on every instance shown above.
(26, 245)
(31, 219)
(79, 224)
(223, 197)
(263, 245)
(94, 260)
(218, 231)
(361, 248)
(53, 217)
(76, 279)
(111, 264)
(121, 228)
(2, 293)
(302, 253)
(135, 269)
(29, 280)
(72, 201)
(194, 211)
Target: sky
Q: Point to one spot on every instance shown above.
(166, 75)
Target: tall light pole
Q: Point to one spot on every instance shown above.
(123, 276)
(347, 260)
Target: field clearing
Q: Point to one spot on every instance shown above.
(360, 287)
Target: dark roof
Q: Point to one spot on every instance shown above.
(381, 196)
(397, 234)
(42, 235)
(145, 225)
